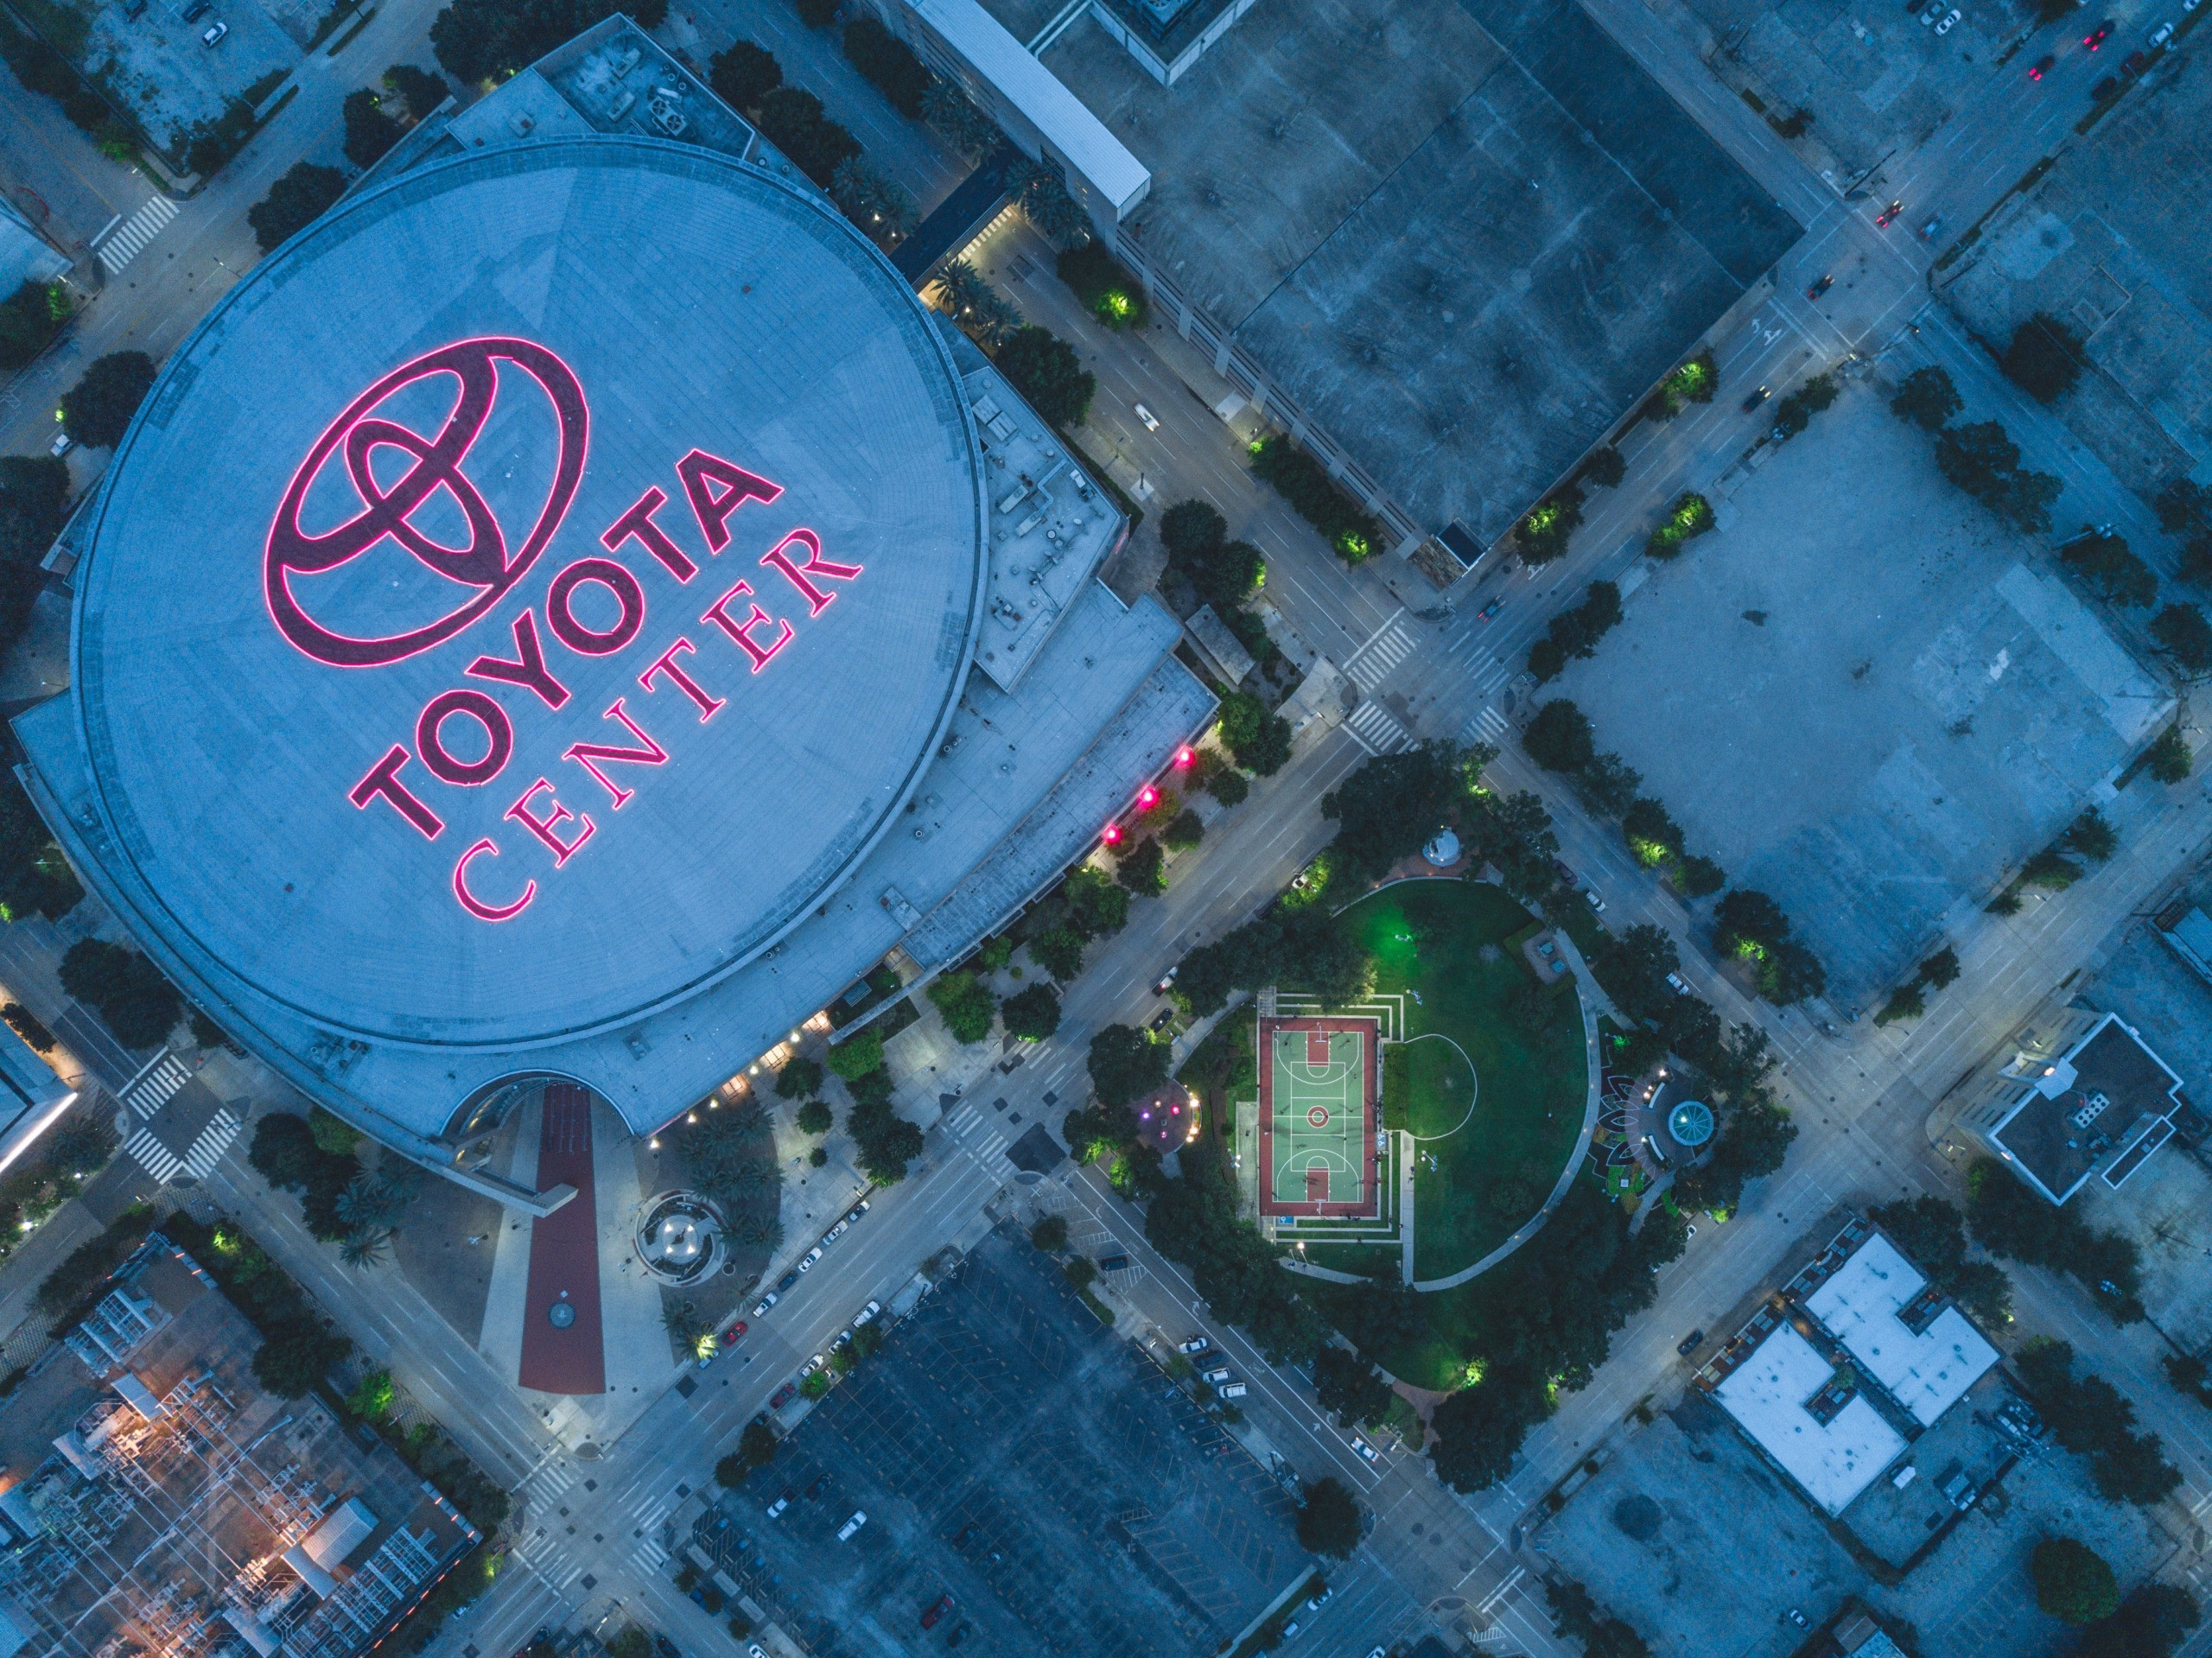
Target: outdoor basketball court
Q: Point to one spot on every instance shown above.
(1317, 1116)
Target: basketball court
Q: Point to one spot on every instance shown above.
(1317, 1116)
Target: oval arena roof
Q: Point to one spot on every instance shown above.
(528, 595)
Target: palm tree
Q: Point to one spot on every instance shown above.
(679, 1317)
(365, 1247)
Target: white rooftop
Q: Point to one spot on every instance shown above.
(1928, 1373)
(1834, 1461)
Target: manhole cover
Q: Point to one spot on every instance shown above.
(560, 1314)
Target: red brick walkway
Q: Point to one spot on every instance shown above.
(564, 1256)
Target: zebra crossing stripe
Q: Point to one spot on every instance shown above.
(213, 1141)
(131, 237)
(153, 1088)
(152, 1156)
(1371, 663)
(1376, 730)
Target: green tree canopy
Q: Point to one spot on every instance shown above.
(97, 410)
(2073, 1582)
(1259, 738)
(1032, 1014)
(1927, 398)
(1393, 804)
(290, 1362)
(814, 1117)
(2152, 1622)
(889, 62)
(792, 118)
(1479, 1428)
(858, 1055)
(369, 128)
(1126, 1064)
(1049, 1234)
(800, 1078)
(1058, 951)
(1328, 1519)
(1096, 906)
(1046, 370)
(1560, 739)
(421, 90)
(2045, 358)
(1513, 833)
(967, 1006)
(743, 73)
(1349, 1386)
(127, 990)
(2182, 631)
(486, 40)
(1140, 867)
(293, 203)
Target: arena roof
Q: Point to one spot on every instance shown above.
(528, 595)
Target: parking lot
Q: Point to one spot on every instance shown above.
(1007, 1450)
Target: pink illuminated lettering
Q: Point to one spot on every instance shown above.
(475, 905)
(638, 524)
(741, 633)
(817, 601)
(383, 782)
(617, 580)
(544, 828)
(527, 670)
(666, 664)
(717, 488)
(588, 755)
(444, 763)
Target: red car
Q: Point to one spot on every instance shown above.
(2094, 40)
(731, 1336)
(1887, 217)
(2043, 66)
(783, 1395)
(929, 1617)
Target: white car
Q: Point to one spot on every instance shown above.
(866, 1313)
(837, 1232)
(1290, 1629)
(2165, 32)
(62, 445)
(1365, 1450)
(1151, 421)
(766, 1301)
(1945, 27)
(777, 1508)
(213, 35)
(1234, 1390)
(1320, 1600)
(753, 1650)
(813, 1365)
(845, 1532)
(1196, 1344)
(1590, 897)
(809, 1257)
(1216, 1377)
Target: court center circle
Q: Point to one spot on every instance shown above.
(1319, 1116)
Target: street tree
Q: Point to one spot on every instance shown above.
(2045, 358)
(2182, 629)
(369, 128)
(1046, 370)
(1032, 1014)
(1328, 1519)
(97, 410)
(294, 202)
(2073, 1582)
(743, 73)
(1126, 1064)
(1559, 737)
(1393, 804)
(1927, 398)
(1259, 738)
(800, 1078)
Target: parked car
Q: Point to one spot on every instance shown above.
(943, 1606)
(1366, 1451)
(836, 1231)
(1314, 1604)
(766, 1301)
(786, 1282)
(867, 1313)
(808, 1260)
(1798, 1618)
(1216, 1377)
(2097, 36)
(783, 1395)
(1931, 11)
(62, 445)
(1597, 903)
(813, 1364)
(1163, 1018)
(1196, 1344)
(1688, 1344)
(1290, 1629)
(1949, 23)
(782, 1501)
(2042, 67)
(735, 1333)
(213, 35)
(821, 1484)
(2160, 36)
(959, 1634)
(845, 1532)
(1934, 225)
(1568, 878)
(666, 1647)
(2135, 63)
(1113, 1263)
(193, 10)
(753, 1650)
(1234, 1390)
(1679, 985)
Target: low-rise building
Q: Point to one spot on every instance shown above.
(2086, 1097)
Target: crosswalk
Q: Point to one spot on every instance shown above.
(131, 237)
(1371, 663)
(1377, 732)
(1487, 726)
(198, 1159)
(152, 1087)
(979, 1131)
(647, 1552)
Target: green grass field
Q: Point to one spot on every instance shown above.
(1496, 1171)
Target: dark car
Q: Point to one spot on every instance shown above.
(959, 1634)
(1888, 216)
(1112, 1263)
(2042, 66)
(1756, 398)
(929, 1617)
(1490, 609)
(2135, 63)
(666, 1647)
(1688, 1343)
(1568, 878)
(1820, 287)
(782, 1396)
(821, 1484)
(2097, 36)
(1163, 1018)
(787, 1280)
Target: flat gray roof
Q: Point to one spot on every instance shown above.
(248, 651)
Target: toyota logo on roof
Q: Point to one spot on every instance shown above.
(487, 567)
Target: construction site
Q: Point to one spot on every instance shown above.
(157, 1502)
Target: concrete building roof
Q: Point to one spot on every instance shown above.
(221, 696)
(1873, 1303)
(2108, 1101)
(32, 1097)
(1770, 1392)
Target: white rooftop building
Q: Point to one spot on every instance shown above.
(1901, 1330)
(1810, 1418)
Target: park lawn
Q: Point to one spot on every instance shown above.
(1494, 1172)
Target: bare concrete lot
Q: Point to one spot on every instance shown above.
(1690, 1535)
(1464, 262)
(2112, 242)
(1864, 696)
(1010, 1450)
(155, 65)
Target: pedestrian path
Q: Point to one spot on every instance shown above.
(1487, 726)
(1370, 722)
(152, 1087)
(152, 1156)
(1372, 663)
(127, 240)
(978, 1129)
(198, 1159)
